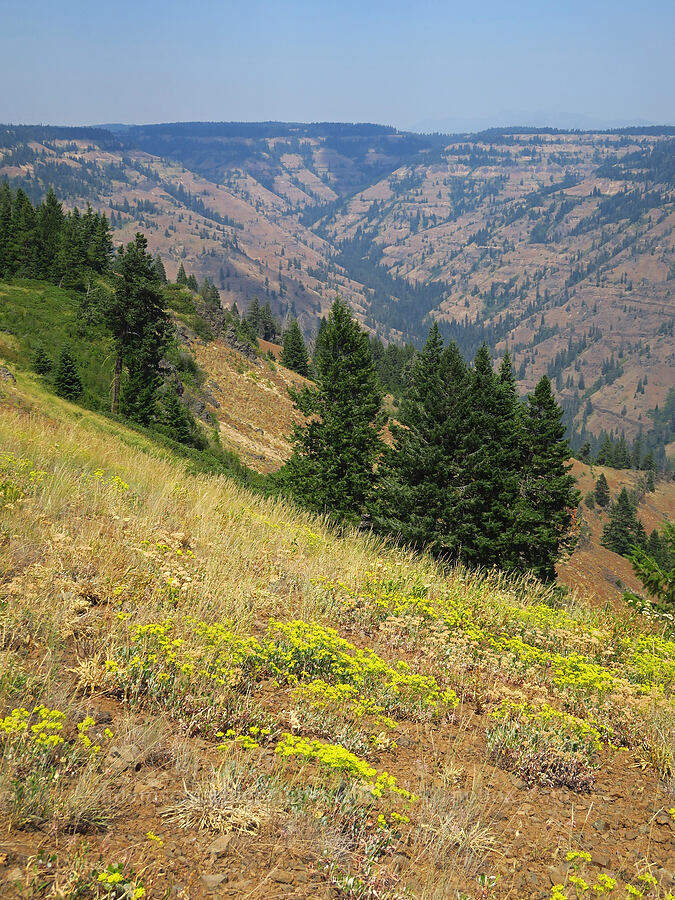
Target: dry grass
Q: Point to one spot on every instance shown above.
(84, 559)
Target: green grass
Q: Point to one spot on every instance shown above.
(35, 313)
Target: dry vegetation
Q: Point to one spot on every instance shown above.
(207, 693)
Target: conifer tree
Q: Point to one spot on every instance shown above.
(192, 283)
(605, 455)
(489, 478)
(136, 316)
(5, 229)
(67, 381)
(181, 277)
(253, 316)
(50, 221)
(623, 532)
(332, 466)
(23, 247)
(294, 353)
(655, 567)
(601, 491)
(548, 493)
(416, 494)
(160, 271)
(42, 364)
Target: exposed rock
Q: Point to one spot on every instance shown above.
(5, 374)
(211, 882)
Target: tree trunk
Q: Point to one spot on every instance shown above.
(116, 384)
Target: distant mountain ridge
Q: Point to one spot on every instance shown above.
(556, 243)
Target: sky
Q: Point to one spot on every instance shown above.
(430, 65)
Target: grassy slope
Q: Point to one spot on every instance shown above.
(35, 313)
(114, 534)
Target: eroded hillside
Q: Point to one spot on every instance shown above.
(559, 245)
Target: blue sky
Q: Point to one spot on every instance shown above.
(429, 65)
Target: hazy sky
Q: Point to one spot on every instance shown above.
(430, 64)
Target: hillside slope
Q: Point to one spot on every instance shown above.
(557, 244)
(199, 728)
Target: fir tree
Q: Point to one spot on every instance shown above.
(253, 316)
(160, 271)
(655, 567)
(50, 222)
(548, 493)
(601, 491)
(192, 283)
(181, 277)
(294, 353)
(416, 493)
(332, 466)
(623, 532)
(67, 381)
(136, 316)
(622, 457)
(42, 364)
(605, 455)
(489, 476)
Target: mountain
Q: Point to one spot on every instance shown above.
(558, 244)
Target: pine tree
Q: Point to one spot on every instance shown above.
(655, 567)
(23, 241)
(5, 230)
(332, 466)
(623, 531)
(488, 482)
(601, 491)
(160, 271)
(67, 381)
(253, 316)
(42, 364)
(605, 455)
(548, 494)
(136, 316)
(50, 220)
(192, 283)
(416, 493)
(622, 457)
(181, 277)
(294, 353)
(178, 422)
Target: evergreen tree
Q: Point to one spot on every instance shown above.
(622, 457)
(23, 246)
(655, 567)
(601, 491)
(136, 316)
(623, 532)
(548, 495)
(42, 364)
(50, 220)
(253, 316)
(332, 466)
(488, 486)
(72, 255)
(605, 455)
(416, 493)
(636, 455)
(5, 230)
(192, 283)
(181, 277)
(67, 381)
(585, 452)
(294, 353)
(176, 420)
(160, 271)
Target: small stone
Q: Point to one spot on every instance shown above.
(282, 877)
(211, 882)
(219, 847)
(5, 374)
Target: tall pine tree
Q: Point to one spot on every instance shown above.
(545, 513)
(331, 470)
(294, 353)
